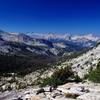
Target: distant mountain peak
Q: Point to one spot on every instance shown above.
(86, 37)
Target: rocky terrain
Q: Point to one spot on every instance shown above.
(82, 64)
(69, 91)
(23, 50)
(14, 88)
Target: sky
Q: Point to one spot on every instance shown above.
(60, 16)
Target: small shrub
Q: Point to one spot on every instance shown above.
(71, 95)
(48, 81)
(94, 75)
(77, 79)
(61, 76)
(86, 76)
(21, 86)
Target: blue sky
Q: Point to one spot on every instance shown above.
(72, 16)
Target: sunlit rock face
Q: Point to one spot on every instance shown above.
(84, 63)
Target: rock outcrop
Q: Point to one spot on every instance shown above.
(69, 91)
(82, 64)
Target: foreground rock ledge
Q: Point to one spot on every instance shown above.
(69, 91)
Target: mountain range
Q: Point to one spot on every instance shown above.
(48, 44)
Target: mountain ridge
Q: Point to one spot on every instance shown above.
(57, 44)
